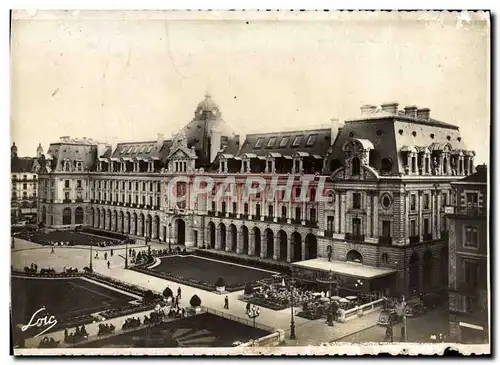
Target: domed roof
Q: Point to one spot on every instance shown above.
(207, 104)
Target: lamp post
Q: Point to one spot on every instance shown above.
(330, 280)
(292, 322)
(253, 313)
(169, 235)
(90, 260)
(126, 252)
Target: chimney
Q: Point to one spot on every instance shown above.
(391, 108)
(411, 111)
(160, 137)
(423, 113)
(368, 109)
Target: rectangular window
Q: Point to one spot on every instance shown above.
(298, 215)
(25, 186)
(444, 199)
(66, 184)
(283, 212)
(257, 210)
(271, 142)
(426, 226)
(223, 207)
(413, 202)
(150, 186)
(78, 183)
(471, 273)
(284, 141)
(311, 140)
(312, 215)
(426, 201)
(66, 196)
(330, 223)
(413, 228)
(356, 200)
(245, 208)
(386, 229)
(472, 200)
(214, 207)
(471, 237)
(235, 210)
(258, 144)
(270, 210)
(296, 141)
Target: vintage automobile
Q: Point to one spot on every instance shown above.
(387, 316)
(415, 310)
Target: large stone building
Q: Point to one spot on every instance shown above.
(24, 185)
(385, 176)
(468, 260)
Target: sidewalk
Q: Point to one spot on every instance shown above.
(307, 332)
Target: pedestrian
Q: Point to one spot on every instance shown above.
(226, 302)
(179, 292)
(52, 250)
(105, 255)
(433, 338)
(402, 333)
(248, 307)
(108, 264)
(111, 252)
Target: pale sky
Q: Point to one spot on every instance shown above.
(117, 76)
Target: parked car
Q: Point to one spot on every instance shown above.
(388, 316)
(415, 310)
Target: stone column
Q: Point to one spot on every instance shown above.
(337, 213)
(155, 229)
(113, 219)
(102, 221)
(368, 210)
(217, 239)
(301, 165)
(132, 225)
(438, 214)
(276, 252)
(251, 243)
(303, 250)
(420, 218)
(96, 217)
(342, 216)
(434, 210)
(263, 246)
(375, 216)
(239, 242)
(140, 226)
(289, 249)
(407, 218)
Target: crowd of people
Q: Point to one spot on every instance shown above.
(105, 329)
(78, 335)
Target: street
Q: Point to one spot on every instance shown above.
(419, 329)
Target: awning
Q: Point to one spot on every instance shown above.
(302, 154)
(318, 157)
(345, 268)
(261, 157)
(250, 155)
(275, 154)
(287, 157)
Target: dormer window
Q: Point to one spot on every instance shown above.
(149, 149)
(123, 149)
(311, 140)
(130, 149)
(79, 166)
(296, 141)
(271, 142)
(284, 141)
(143, 148)
(258, 144)
(356, 166)
(67, 166)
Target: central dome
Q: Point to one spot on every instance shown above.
(207, 105)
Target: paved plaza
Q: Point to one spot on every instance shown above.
(307, 332)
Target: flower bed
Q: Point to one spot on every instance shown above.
(126, 310)
(102, 233)
(46, 275)
(270, 304)
(177, 278)
(134, 289)
(283, 268)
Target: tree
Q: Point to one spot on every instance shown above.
(167, 293)
(220, 282)
(149, 297)
(195, 301)
(248, 289)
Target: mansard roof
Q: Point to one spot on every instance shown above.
(21, 164)
(312, 141)
(145, 150)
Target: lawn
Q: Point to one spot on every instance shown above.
(74, 238)
(204, 330)
(63, 298)
(208, 271)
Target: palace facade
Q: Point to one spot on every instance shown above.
(468, 252)
(386, 176)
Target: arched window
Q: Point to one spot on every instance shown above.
(354, 256)
(67, 216)
(386, 165)
(385, 258)
(356, 166)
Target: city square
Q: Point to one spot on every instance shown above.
(286, 212)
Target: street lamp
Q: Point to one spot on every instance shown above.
(126, 252)
(292, 322)
(169, 235)
(330, 280)
(253, 313)
(90, 260)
